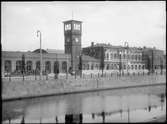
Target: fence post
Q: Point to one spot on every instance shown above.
(9, 77)
(75, 75)
(46, 76)
(111, 74)
(35, 76)
(91, 75)
(98, 74)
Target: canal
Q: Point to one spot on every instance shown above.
(120, 105)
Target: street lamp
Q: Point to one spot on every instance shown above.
(126, 44)
(120, 64)
(40, 35)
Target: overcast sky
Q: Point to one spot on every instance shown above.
(138, 22)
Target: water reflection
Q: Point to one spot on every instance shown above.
(106, 106)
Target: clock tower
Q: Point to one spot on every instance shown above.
(72, 37)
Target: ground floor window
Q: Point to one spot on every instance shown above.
(18, 65)
(135, 67)
(48, 66)
(64, 66)
(38, 66)
(8, 66)
(56, 67)
(29, 66)
(92, 67)
(132, 67)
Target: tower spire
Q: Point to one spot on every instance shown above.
(72, 15)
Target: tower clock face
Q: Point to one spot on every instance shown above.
(67, 27)
(76, 26)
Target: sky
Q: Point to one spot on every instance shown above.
(140, 23)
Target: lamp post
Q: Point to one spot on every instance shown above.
(120, 64)
(67, 69)
(40, 35)
(126, 44)
(161, 65)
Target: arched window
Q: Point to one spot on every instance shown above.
(107, 56)
(111, 56)
(92, 66)
(87, 66)
(107, 67)
(132, 57)
(29, 66)
(48, 66)
(56, 67)
(123, 56)
(143, 67)
(64, 66)
(135, 67)
(111, 66)
(132, 67)
(8, 66)
(18, 65)
(115, 56)
(38, 66)
(136, 57)
(139, 66)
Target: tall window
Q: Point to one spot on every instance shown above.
(87, 66)
(107, 67)
(64, 66)
(123, 56)
(38, 66)
(29, 66)
(111, 66)
(48, 66)
(135, 67)
(132, 57)
(8, 66)
(92, 66)
(136, 57)
(56, 67)
(111, 56)
(18, 65)
(139, 66)
(115, 56)
(132, 67)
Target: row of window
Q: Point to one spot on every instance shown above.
(124, 56)
(29, 66)
(112, 66)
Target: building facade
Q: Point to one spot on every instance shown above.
(94, 57)
(117, 57)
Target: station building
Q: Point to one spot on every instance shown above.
(114, 57)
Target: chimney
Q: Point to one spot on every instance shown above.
(92, 44)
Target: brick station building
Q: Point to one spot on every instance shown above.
(114, 57)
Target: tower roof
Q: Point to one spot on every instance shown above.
(72, 21)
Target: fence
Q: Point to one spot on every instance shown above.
(85, 75)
